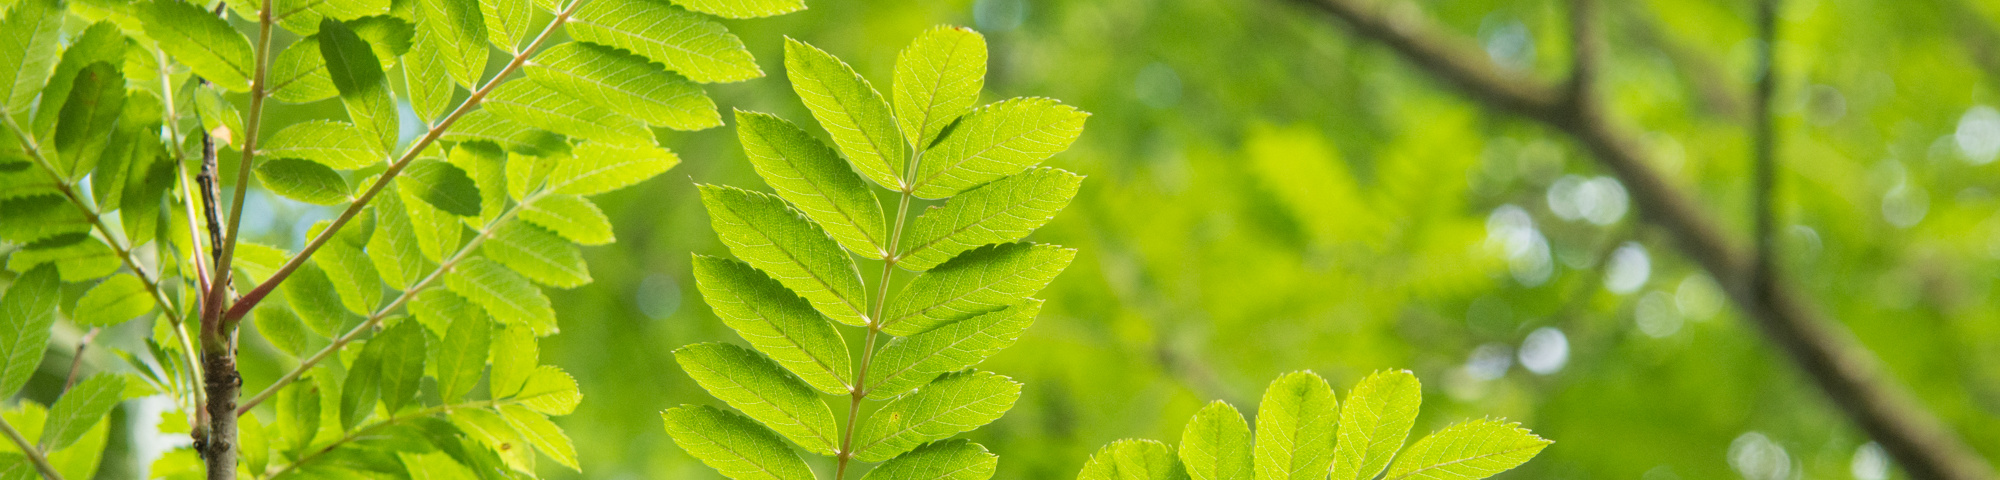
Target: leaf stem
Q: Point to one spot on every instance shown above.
(258, 293)
(358, 433)
(28, 449)
(875, 322)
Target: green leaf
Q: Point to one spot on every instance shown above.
(299, 412)
(507, 23)
(955, 459)
(304, 181)
(811, 176)
(389, 36)
(550, 391)
(733, 445)
(393, 247)
(424, 75)
(461, 356)
(438, 309)
(1133, 460)
(444, 186)
(775, 321)
(980, 281)
(434, 466)
(458, 29)
(362, 388)
(1374, 422)
(953, 403)
(101, 43)
(760, 389)
(909, 362)
(531, 103)
(353, 275)
(298, 74)
(541, 433)
(202, 41)
(1003, 211)
(938, 78)
(504, 294)
(1215, 445)
(600, 167)
(487, 165)
(80, 408)
(761, 230)
(437, 232)
(493, 431)
(509, 134)
(404, 350)
(685, 42)
(88, 117)
(514, 357)
(537, 254)
(30, 36)
(1468, 451)
(624, 83)
(357, 74)
(995, 141)
(219, 116)
(119, 298)
(571, 216)
(743, 8)
(82, 259)
(254, 442)
(281, 327)
(529, 173)
(1295, 426)
(313, 297)
(337, 145)
(850, 110)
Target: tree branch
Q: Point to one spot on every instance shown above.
(28, 450)
(1850, 375)
(1764, 143)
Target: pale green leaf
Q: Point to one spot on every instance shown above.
(814, 179)
(733, 445)
(571, 216)
(624, 83)
(298, 74)
(490, 429)
(850, 110)
(995, 141)
(760, 389)
(980, 281)
(597, 167)
(761, 230)
(909, 362)
(458, 29)
(202, 41)
(257, 262)
(956, 459)
(537, 254)
(353, 275)
(389, 36)
(303, 16)
(938, 78)
(405, 348)
(685, 42)
(254, 442)
(461, 356)
(1215, 445)
(1468, 451)
(1005, 210)
(438, 309)
(313, 297)
(280, 326)
(487, 164)
(218, 115)
(529, 173)
(1133, 460)
(509, 134)
(357, 74)
(436, 465)
(30, 36)
(542, 433)
(1374, 422)
(1295, 424)
(80, 408)
(362, 388)
(549, 390)
(507, 22)
(430, 88)
(304, 181)
(504, 294)
(743, 8)
(442, 185)
(953, 403)
(531, 103)
(299, 412)
(514, 356)
(437, 232)
(393, 247)
(82, 258)
(119, 298)
(775, 321)
(337, 145)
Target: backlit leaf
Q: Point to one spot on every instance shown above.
(81, 406)
(850, 110)
(302, 180)
(537, 254)
(202, 41)
(761, 230)
(1374, 422)
(688, 43)
(624, 83)
(542, 433)
(980, 281)
(775, 321)
(458, 29)
(938, 78)
(503, 293)
(760, 389)
(357, 74)
(1003, 211)
(734, 445)
(531, 103)
(1133, 460)
(909, 362)
(405, 349)
(598, 167)
(1295, 424)
(995, 141)
(1215, 445)
(813, 178)
(337, 145)
(743, 8)
(30, 36)
(571, 216)
(953, 403)
(119, 298)
(955, 459)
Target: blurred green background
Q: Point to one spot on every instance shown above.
(1269, 193)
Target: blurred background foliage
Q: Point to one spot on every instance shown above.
(1268, 193)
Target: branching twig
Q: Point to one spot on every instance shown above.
(28, 450)
(76, 362)
(1851, 376)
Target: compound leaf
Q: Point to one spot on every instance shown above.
(775, 321)
(850, 110)
(542, 433)
(761, 230)
(571, 216)
(980, 281)
(953, 403)
(995, 141)
(733, 445)
(1002, 211)
(80, 408)
(760, 389)
(457, 28)
(743, 8)
(531, 103)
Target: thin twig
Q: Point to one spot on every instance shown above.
(1850, 375)
(28, 450)
(1764, 142)
(76, 362)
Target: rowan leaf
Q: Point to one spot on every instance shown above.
(1468, 451)
(995, 141)
(461, 357)
(514, 356)
(938, 78)
(80, 408)
(538, 254)
(298, 74)
(1295, 426)
(542, 433)
(760, 389)
(953, 403)
(199, 39)
(507, 22)
(337, 145)
(980, 281)
(457, 28)
(1374, 422)
(353, 275)
(512, 135)
(119, 298)
(597, 167)
(443, 185)
(761, 230)
(531, 103)
(438, 232)
(362, 388)
(850, 110)
(87, 118)
(1133, 460)
(430, 86)
(504, 294)
(393, 247)
(404, 348)
(812, 178)
(30, 36)
(313, 296)
(1005, 210)
(302, 180)
(624, 83)
(688, 43)
(733, 445)
(775, 321)
(357, 74)
(743, 8)
(487, 164)
(571, 216)
(909, 362)
(549, 390)
(493, 431)
(1215, 445)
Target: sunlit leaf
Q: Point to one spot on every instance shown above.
(760, 389)
(909, 362)
(538, 254)
(504, 294)
(1468, 451)
(1133, 460)
(813, 178)
(761, 230)
(202, 41)
(571, 216)
(600, 167)
(743, 8)
(1374, 422)
(337, 145)
(1295, 426)
(531, 103)
(947, 460)
(734, 445)
(405, 349)
(301, 180)
(119, 298)
(30, 36)
(1215, 445)
(953, 403)
(850, 110)
(980, 281)
(938, 78)
(624, 83)
(685, 42)
(82, 406)
(458, 29)
(995, 141)
(1003, 211)
(357, 74)
(775, 321)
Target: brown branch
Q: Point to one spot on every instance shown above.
(76, 362)
(1850, 375)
